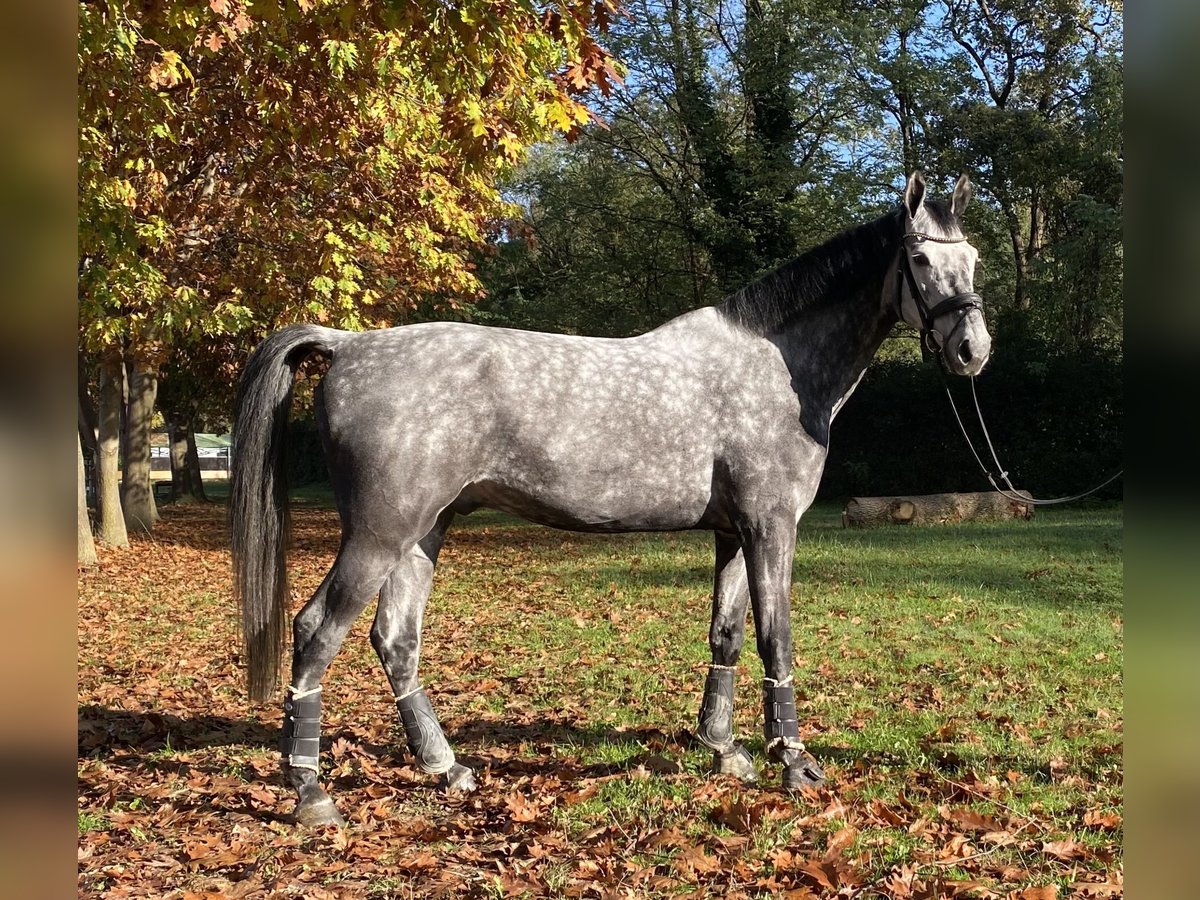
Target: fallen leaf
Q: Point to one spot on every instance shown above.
(1094, 818)
(1042, 892)
(1066, 850)
(520, 808)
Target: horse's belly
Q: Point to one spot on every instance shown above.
(633, 504)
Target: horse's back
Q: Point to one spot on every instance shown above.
(488, 377)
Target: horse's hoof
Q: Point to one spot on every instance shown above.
(804, 773)
(459, 780)
(319, 812)
(735, 762)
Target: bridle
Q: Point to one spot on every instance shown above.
(966, 302)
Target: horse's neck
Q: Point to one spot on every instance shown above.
(828, 349)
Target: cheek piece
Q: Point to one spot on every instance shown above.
(962, 303)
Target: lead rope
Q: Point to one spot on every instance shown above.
(1011, 493)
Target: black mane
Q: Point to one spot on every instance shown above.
(837, 269)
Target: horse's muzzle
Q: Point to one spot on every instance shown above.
(969, 345)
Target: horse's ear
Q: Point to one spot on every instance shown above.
(962, 195)
(914, 192)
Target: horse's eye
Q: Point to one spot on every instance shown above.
(921, 258)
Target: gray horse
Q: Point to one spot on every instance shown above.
(717, 420)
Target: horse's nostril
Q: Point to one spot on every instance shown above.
(964, 351)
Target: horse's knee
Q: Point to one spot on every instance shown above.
(303, 629)
(725, 639)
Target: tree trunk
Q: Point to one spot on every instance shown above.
(1037, 225)
(928, 509)
(88, 424)
(195, 479)
(110, 522)
(137, 492)
(177, 451)
(1021, 259)
(86, 553)
(124, 415)
(908, 144)
(182, 478)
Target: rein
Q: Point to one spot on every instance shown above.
(965, 301)
(1002, 473)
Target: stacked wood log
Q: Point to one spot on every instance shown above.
(929, 509)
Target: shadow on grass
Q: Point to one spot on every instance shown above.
(150, 741)
(502, 732)
(103, 729)
(510, 751)
(136, 741)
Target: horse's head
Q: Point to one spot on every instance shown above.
(935, 292)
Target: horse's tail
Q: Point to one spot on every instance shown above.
(258, 506)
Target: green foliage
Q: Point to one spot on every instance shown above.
(598, 254)
(1040, 128)
(747, 134)
(712, 170)
(243, 165)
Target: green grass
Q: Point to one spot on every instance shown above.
(319, 494)
(90, 821)
(981, 623)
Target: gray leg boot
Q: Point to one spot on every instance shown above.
(782, 733)
(428, 743)
(300, 748)
(715, 727)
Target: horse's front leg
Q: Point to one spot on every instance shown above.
(725, 637)
(769, 548)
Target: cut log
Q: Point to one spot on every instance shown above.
(931, 509)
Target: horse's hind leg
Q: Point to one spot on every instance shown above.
(396, 636)
(318, 631)
(731, 596)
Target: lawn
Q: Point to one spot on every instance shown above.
(960, 684)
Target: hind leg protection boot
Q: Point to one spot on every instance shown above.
(300, 748)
